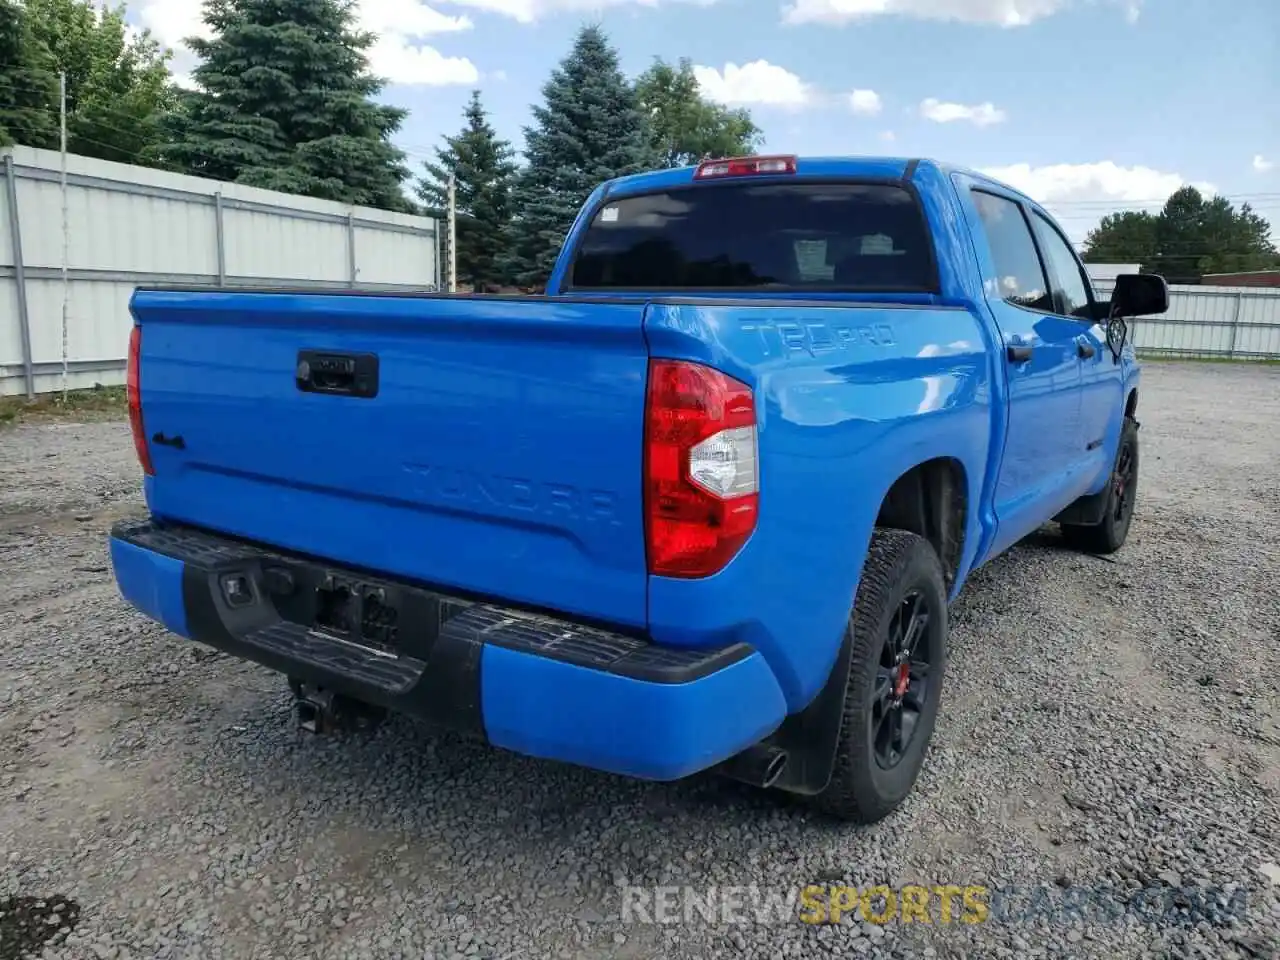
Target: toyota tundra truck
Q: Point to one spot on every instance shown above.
(702, 506)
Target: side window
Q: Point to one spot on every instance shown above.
(1018, 268)
(1071, 297)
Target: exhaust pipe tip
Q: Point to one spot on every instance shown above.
(773, 769)
(309, 716)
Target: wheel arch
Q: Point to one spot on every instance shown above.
(931, 499)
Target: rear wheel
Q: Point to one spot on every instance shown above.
(898, 634)
(1109, 534)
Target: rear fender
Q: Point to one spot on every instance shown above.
(849, 398)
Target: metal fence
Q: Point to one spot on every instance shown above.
(64, 292)
(130, 226)
(1230, 323)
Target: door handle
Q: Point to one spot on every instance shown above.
(1085, 349)
(1018, 352)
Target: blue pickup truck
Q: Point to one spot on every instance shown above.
(702, 506)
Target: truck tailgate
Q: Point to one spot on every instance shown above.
(500, 452)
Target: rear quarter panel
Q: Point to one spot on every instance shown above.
(849, 398)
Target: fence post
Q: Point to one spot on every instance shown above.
(221, 232)
(351, 249)
(437, 285)
(1235, 324)
(19, 277)
(451, 212)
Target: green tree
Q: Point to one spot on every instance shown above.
(118, 85)
(587, 130)
(28, 83)
(484, 172)
(285, 102)
(1189, 237)
(1126, 237)
(1235, 240)
(1180, 237)
(684, 126)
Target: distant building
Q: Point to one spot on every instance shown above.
(1250, 278)
(1109, 271)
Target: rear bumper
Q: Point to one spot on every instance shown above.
(527, 682)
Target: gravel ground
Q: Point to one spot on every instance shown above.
(1107, 725)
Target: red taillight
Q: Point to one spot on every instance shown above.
(133, 387)
(702, 480)
(745, 167)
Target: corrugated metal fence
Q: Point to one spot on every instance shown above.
(1240, 323)
(130, 226)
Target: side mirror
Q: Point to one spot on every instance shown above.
(1139, 295)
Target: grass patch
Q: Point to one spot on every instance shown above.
(79, 404)
(1192, 358)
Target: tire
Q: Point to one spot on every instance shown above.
(1109, 534)
(902, 573)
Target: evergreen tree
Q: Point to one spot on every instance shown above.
(684, 126)
(28, 83)
(285, 102)
(484, 174)
(588, 129)
(118, 85)
(1180, 237)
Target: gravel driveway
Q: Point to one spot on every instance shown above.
(1107, 725)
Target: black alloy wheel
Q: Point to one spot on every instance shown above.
(902, 681)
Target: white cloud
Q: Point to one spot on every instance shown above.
(398, 55)
(980, 114)
(1101, 181)
(172, 21)
(758, 82)
(524, 11)
(888, 136)
(527, 11)
(1003, 13)
(865, 102)
(1262, 164)
(1080, 194)
(399, 60)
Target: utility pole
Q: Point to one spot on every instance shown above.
(66, 241)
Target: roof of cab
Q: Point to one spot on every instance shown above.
(850, 166)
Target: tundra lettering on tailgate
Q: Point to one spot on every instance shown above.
(458, 488)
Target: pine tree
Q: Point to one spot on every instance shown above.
(28, 83)
(484, 173)
(285, 102)
(588, 129)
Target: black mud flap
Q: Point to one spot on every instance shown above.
(811, 736)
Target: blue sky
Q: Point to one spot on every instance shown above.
(1089, 105)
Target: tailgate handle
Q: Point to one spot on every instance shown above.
(343, 374)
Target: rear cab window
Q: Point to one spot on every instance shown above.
(794, 236)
